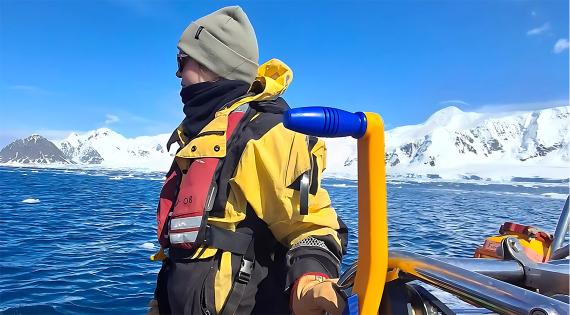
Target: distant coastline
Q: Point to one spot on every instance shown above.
(452, 145)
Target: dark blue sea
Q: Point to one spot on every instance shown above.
(79, 241)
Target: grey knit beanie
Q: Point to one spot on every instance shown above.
(224, 42)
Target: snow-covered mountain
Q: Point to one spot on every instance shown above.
(450, 144)
(107, 148)
(454, 143)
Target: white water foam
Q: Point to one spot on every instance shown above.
(555, 196)
(155, 178)
(342, 185)
(116, 178)
(31, 200)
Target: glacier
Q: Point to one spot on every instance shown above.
(109, 149)
(451, 144)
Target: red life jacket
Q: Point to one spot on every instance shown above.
(186, 197)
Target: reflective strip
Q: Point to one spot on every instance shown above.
(242, 108)
(186, 237)
(185, 223)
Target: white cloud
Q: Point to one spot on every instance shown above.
(513, 107)
(561, 45)
(24, 88)
(111, 119)
(456, 103)
(539, 30)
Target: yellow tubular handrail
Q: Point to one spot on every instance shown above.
(372, 217)
(368, 128)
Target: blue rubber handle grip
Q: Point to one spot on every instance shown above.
(325, 122)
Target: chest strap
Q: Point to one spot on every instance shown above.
(215, 237)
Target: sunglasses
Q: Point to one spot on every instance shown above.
(182, 60)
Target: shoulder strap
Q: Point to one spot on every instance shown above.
(270, 115)
(274, 107)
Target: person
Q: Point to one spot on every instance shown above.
(243, 221)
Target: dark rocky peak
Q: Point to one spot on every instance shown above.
(34, 149)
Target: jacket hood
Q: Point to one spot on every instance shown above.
(273, 79)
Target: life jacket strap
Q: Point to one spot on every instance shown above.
(215, 237)
(240, 283)
(226, 240)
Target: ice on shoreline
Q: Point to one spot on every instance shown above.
(480, 175)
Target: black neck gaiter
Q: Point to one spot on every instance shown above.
(202, 101)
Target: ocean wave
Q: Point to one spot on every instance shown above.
(98, 255)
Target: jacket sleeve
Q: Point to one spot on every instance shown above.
(267, 176)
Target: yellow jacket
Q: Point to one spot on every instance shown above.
(264, 181)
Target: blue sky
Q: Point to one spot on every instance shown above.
(81, 65)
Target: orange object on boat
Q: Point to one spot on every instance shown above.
(536, 243)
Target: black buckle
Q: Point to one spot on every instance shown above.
(244, 274)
